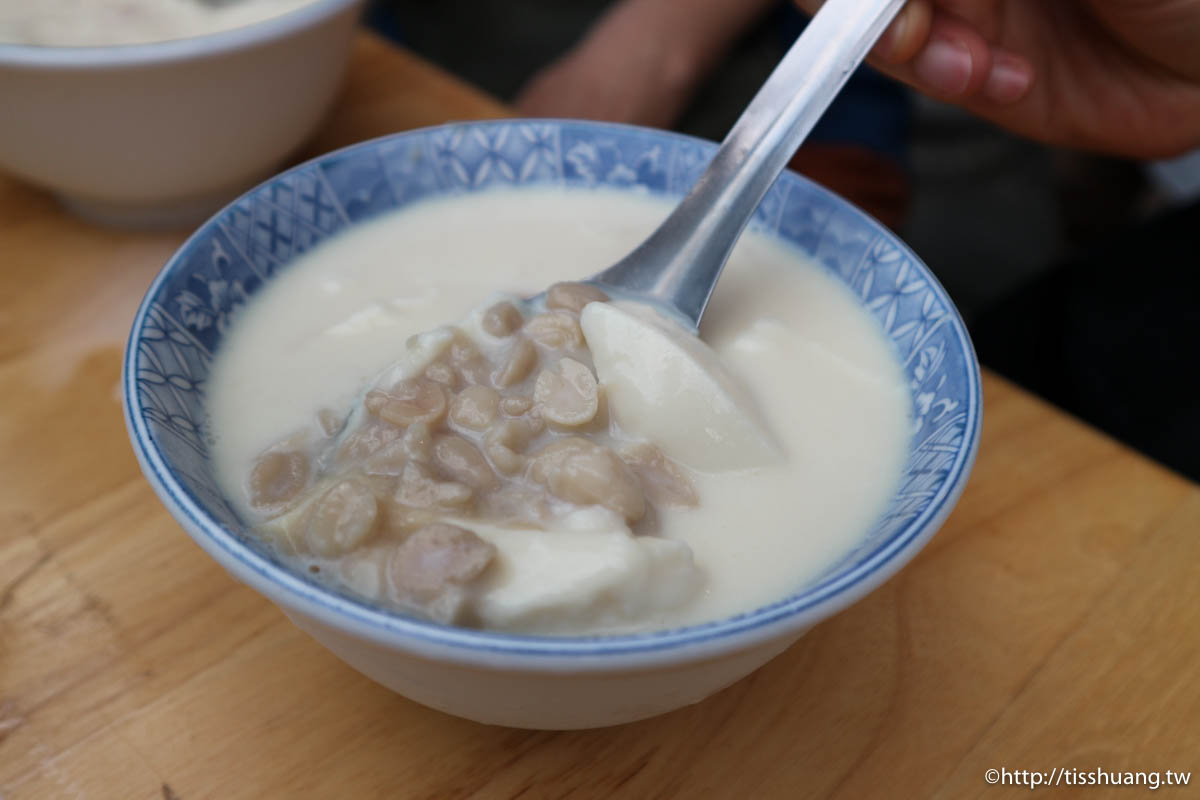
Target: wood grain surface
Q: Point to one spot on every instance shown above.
(1054, 621)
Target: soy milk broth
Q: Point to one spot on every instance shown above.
(825, 379)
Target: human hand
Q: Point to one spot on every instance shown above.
(1120, 76)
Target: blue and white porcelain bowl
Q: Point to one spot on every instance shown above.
(527, 681)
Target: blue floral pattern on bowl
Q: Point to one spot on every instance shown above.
(187, 311)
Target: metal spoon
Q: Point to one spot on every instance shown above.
(678, 265)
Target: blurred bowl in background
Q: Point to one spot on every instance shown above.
(163, 134)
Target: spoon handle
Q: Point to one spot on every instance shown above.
(679, 263)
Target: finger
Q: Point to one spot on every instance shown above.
(1010, 78)
(941, 55)
(907, 34)
(954, 62)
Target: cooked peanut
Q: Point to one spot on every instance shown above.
(435, 556)
(505, 442)
(502, 319)
(516, 503)
(550, 458)
(443, 373)
(582, 472)
(365, 441)
(375, 400)
(504, 458)
(388, 460)
(521, 360)
(380, 484)
(568, 394)
(475, 373)
(399, 520)
(475, 407)
(413, 400)
(277, 478)
(573, 296)
(516, 405)
(342, 519)
(330, 421)
(285, 532)
(466, 359)
(463, 462)
(419, 490)
(663, 481)
(418, 442)
(362, 571)
(534, 419)
(557, 330)
(462, 350)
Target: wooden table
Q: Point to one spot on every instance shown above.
(1054, 621)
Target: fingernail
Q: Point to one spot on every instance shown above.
(944, 67)
(1009, 79)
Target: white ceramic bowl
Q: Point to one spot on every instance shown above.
(166, 133)
(530, 681)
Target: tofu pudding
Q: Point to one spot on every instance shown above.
(393, 418)
(89, 23)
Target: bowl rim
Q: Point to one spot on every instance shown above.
(116, 56)
(785, 619)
